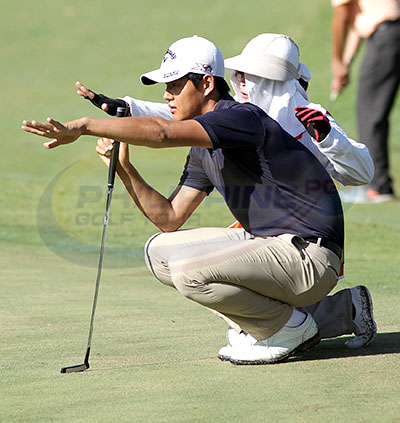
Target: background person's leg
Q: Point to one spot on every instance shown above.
(378, 85)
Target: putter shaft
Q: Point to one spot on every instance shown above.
(110, 186)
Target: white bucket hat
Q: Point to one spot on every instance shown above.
(192, 54)
(271, 56)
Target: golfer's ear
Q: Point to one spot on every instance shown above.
(208, 84)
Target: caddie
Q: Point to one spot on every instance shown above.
(273, 185)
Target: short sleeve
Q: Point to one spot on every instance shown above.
(234, 128)
(193, 174)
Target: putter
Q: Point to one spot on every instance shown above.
(111, 178)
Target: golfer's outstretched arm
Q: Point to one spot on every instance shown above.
(145, 131)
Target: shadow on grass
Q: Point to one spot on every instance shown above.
(384, 343)
(327, 349)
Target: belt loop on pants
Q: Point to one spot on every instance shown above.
(327, 243)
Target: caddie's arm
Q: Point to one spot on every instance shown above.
(168, 214)
(145, 131)
(135, 107)
(107, 104)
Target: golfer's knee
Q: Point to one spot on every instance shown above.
(189, 283)
(156, 258)
(149, 253)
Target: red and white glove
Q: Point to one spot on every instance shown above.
(315, 122)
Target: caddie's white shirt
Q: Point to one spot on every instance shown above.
(366, 15)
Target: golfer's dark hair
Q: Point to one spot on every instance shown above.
(220, 84)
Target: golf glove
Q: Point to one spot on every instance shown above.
(315, 122)
(113, 103)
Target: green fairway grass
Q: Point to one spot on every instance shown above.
(154, 353)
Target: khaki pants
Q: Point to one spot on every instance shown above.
(252, 282)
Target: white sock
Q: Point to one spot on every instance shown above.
(296, 319)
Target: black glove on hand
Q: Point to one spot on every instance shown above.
(315, 122)
(113, 103)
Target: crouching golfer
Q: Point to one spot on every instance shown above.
(272, 184)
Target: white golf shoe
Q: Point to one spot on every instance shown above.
(283, 344)
(235, 339)
(364, 325)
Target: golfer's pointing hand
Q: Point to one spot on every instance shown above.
(60, 134)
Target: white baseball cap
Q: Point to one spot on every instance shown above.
(271, 56)
(192, 54)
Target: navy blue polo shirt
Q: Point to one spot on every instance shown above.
(271, 183)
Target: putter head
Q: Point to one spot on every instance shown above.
(75, 369)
